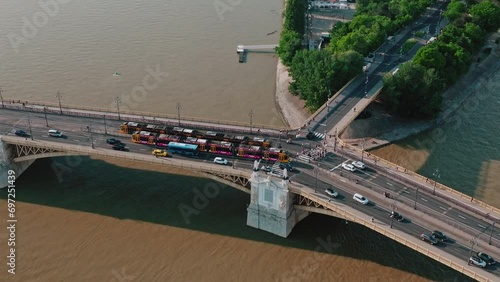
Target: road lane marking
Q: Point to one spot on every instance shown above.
(389, 184)
(76, 140)
(142, 149)
(343, 180)
(461, 217)
(423, 199)
(404, 191)
(442, 208)
(481, 226)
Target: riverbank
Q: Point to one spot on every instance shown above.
(381, 128)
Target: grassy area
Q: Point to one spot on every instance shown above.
(408, 45)
(419, 34)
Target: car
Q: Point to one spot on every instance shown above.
(287, 166)
(428, 238)
(22, 133)
(359, 198)
(159, 153)
(489, 260)
(120, 147)
(266, 168)
(113, 141)
(348, 167)
(439, 235)
(477, 261)
(331, 193)
(220, 160)
(55, 133)
(396, 216)
(358, 164)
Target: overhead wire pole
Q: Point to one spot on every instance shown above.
(179, 108)
(316, 170)
(1, 96)
(45, 113)
(91, 137)
(29, 124)
(251, 115)
(105, 128)
(435, 174)
(59, 96)
(393, 206)
(117, 100)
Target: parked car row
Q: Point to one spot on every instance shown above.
(353, 166)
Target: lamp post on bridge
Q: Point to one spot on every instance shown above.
(491, 232)
(29, 124)
(393, 207)
(118, 101)
(472, 242)
(251, 115)
(363, 149)
(1, 96)
(59, 96)
(105, 127)
(316, 171)
(435, 174)
(416, 195)
(45, 113)
(91, 137)
(179, 108)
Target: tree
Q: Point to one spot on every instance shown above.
(413, 92)
(486, 15)
(455, 9)
(290, 43)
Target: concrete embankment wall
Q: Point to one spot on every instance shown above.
(6, 164)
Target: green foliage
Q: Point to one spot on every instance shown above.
(290, 43)
(408, 45)
(419, 34)
(455, 9)
(486, 15)
(317, 74)
(413, 92)
(294, 16)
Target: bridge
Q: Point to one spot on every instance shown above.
(275, 205)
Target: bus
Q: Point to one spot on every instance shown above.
(164, 139)
(131, 127)
(221, 148)
(252, 152)
(144, 137)
(183, 149)
(275, 154)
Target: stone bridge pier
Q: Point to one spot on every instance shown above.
(271, 205)
(7, 155)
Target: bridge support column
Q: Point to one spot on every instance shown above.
(271, 206)
(7, 153)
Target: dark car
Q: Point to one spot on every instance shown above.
(439, 235)
(428, 238)
(489, 260)
(21, 133)
(120, 147)
(287, 166)
(113, 141)
(396, 216)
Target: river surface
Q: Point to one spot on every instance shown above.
(91, 220)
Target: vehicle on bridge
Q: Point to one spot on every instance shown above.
(113, 141)
(348, 167)
(22, 133)
(396, 216)
(159, 153)
(55, 133)
(144, 137)
(183, 149)
(358, 164)
(331, 193)
(360, 199)
(202, 143)
(219, 160)
(221, 148)
(439, 235)
(489, 260)
(428, 238)
(251, 152)
(120, 147)
(477, 261)
(164, 139)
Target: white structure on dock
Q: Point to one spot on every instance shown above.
(247, 48)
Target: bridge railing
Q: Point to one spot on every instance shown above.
(112, 114)
(411, 243)
(386, 166)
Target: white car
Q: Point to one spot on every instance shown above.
(348, 167)
(331, 193)
(220, 160)
(359, 198)
(358, 164)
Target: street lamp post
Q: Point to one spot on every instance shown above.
(335, 141)
(316, 170)
(179, 108)
(1, 97)
(105, 127)
(45, 113)
(363, 149)
(393, 206)
(416, 195)
(91, 137)
(472, 244)
(251, 115)
(59, 96)
(491, 232)
(117, 100)
(29, 124)
(366, 83)
(435, 174)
